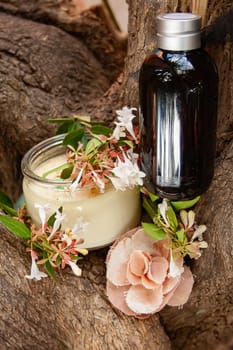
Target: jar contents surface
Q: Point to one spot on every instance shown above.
(107, 214)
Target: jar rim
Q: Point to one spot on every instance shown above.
(36, 150)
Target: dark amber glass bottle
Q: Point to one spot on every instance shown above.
(178, 88)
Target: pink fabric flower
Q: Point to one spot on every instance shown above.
(139, 278)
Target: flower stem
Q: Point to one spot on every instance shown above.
(146, 203)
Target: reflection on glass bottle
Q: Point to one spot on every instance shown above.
(178, 110)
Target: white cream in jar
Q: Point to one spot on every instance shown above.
(107, 214)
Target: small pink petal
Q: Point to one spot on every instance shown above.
(158, 269)
(132, 278)
(142, 300)
(116, 296)
(139, 262)
(148, 283)
(184, 288)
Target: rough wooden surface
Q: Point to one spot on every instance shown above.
(49, 71)
(46, 72)
(71, 314)
(92, 26)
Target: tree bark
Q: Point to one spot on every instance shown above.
(205, 321)
(47, 72)
(60, 67)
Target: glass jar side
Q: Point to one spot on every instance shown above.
(107, 214)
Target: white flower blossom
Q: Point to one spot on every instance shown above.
(42, 213)
(174, 269)
(35, 272)
(76, 270)
(187, 218)
(203, 244)
(75, 233)
(99, 183)
(132, 155)
(59, 217)
(80, 226)
(124, 121)
(127, 175)
(198, 233)
(118, 132)
(75, 184)
(163, 207)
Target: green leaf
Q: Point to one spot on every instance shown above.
(49, 268)
(125, 142)
(153, 197)
(8, 210)
(153, 231)
(37, 245)
(52, 218)
(65, 174)
(5, 200)
(44, 244)
(54, 170)
(172, 218)
(75, 126)
(73, 137)
(179, 205)
(16, 227)
(64, 124)
(60, 120)
(92, 145)
(101, 130)
(63, 128)
(83, 118)
(180, 235)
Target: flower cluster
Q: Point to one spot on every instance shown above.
(52, 246)
(146, 267)
(98, 155)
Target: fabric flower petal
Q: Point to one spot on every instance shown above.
(183, 289)
(139, 262)
(142, 300)
(161, 248)
(158, 269)
(117, 262)
(170, 284)
(140, 240)
(138, 265)
(116, 296)
(132, 278)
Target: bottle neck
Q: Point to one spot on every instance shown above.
(181, 42)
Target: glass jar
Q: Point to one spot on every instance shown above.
(107, 214)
